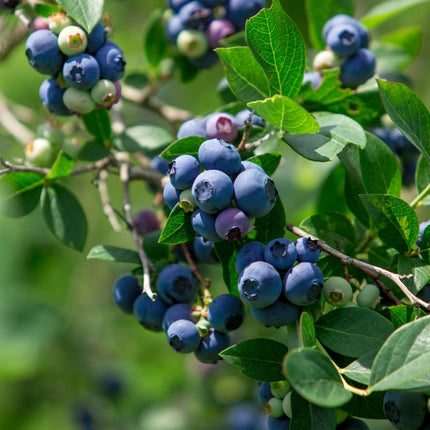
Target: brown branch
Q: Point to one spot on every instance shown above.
(10, 39)
(246, 133)
(373, 271)
(101, 183)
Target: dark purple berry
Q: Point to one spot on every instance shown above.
(357, 69)
(146, 221)
(221, 126)
(232, 224)
(150, 313)
(219, 29)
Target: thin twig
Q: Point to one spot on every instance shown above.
(12, 38)
(371, 270)
(258, 142)
(104, 197)
(246, 133)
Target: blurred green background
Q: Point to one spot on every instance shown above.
(65, 349)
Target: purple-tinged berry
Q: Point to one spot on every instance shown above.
(357, 69)
(179, 311)
(194, 15)
(244, 115)
(58, 21)
(314, 78)
(211, 345)
(111, 61)
(81, 71)
(125, 291)
(104, 93)
(170, 195)
(280, 253)
(219, 29)
(145, 221)
(78, 101)
(175, 5)
(343, 40)
(250, 252)
(41, 152)
(41, 49)
(226, 313)
(278, 314)
(192, 127)
(183, 170)
(232, 224)
(260, 284)
(192, 43)
(150, 313)
(183, 336)
(221, 126)
(218, 154)
(40, 23)
(72, 40)
(51, 95)
(204, 225)
(96, 38)
(307, 249)
(337, 291)
(239, 11)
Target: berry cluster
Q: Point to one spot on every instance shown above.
(84, 68)
(9, 4)
(347, 42)
(189, 328)
(197, 27)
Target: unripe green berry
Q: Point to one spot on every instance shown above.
(72, 40)
(40, 152)
(274, 407)
(192, 43)
(286, 405)
(186, 201)
(51, 130)
(57, 21)
(325, 60)
(78, 101)
(104, 93)
(369, 296)
(280, 389)
(71, 147)
(337, 291)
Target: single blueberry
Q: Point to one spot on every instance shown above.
(219, 29)
(220, 155)
(51, 95)
(278, 314)
(344, 40)
(242, 116)
(170, 195)
(195, 15)
(159, 164)
(232, 224)
(183, 171)
(264, 393)
(250, 252)
(96, 38)
(281, 423)
(204, 225)
(125, 291)
(192, 127)
(179, 311)
(146, 221)
(238, 11)
(342, 19)
(307, 249)
(150, 313)
(211, 345)
(245, 165)
(314, 78)
(221, 125)
(183, 336)
(111, 61)
(204, 250)
(280, 253)
(357, 69)
(81, 71)
(226, 313)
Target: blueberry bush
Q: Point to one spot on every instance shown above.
(323, 307)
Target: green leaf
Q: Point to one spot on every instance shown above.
(360, 369)
(86, 13)
(93, 150)
(114, 254)
(306, 416)
(268, 161)
(353, 332)
(278, 46)
(97, 123)
(178, 228)
(19, 193)
(154, 250)
(336, 229)
(226, 254)
(386, 10)
(336, 131)
(244, 74)
(421, 277)
(408, 113)
(142, 137)
(188, 145)
(395, 220)
(407, 38)
(315, 378)
(62, 167)
(407, 266)
(403, 314)
(403, 362)
(45, 9)
(307, 330)
(331, 196)
(64, 216)
(260, 359)
(422, 178)
(370, 407)
(272, 225)
(155, 43)
(390, 57)
(319, 12)
(286, 114)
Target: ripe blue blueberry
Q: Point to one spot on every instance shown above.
(174, 26)
(303, 284)
(260, 284)
(307, 249)
(264, 393)
(221, 125)
(96, 38)
(250, 252)
(314, 78)
(352, 424)
(125, 291)
(159, 164)
(213, 191)
(177, 284)
(43, 54)
(278, 314)
(204, 225)
(211, 345)
(180, 311)
(170, 195)
(192, 127)
(255, 192)
(231, 224)
(245, 165)
(183, 336)
(226, 313)
(423, 227)
(342, 19)
(281, 423)
(177, 4)
(204, 250)
(344, 40)
(195, 15)
(242, 116)
(51, 95)
(280, 253)
(111, 61)
(245, 417)
(220, 155)
(81, 71)
(357, 69)
(239, 11)
(183, 170)
(217, 30)
(405, 410)
(150, 313)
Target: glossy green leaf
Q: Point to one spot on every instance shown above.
(319, 12)
(306, 416)
(268, 161)
(62, 167)
(155, 43)
(403, 314)
(64, 216)
(395, 220)
(188, 145)
(272, 225)
(244, 74)
(286, 114)
(86, 13)
(369, 407)
(278, 46)
(155, 251)
(147, 138)
(408, 113)
(422, 179)
(226, 254)
(260, 359)
(360, 369)
(114, 254)
(407, 38)
(403, 362)
(386, 10)
(315, 378)
(46, 9)
(336, 131)
(407, 266)
(307, 330)
(178, 228)
(353, 332)
(97, 123)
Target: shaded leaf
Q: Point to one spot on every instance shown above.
(268, 161)
(226, 254)
(93, 150)
(86, 13)
(360, 369)
(272, 225)
(97, 123)
(114, 254)
(188, 145)
(370, 407)
(403, 314)
(307, 330)
(155, 43)
(407, 38)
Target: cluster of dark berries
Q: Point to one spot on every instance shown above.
(279, 278)
(405, 151)
(202, 330)
(84, 68)
(9, 4)
(197, 27)
(347, 42)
